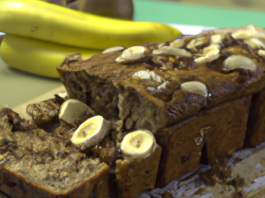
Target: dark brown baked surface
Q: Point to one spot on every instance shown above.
(109, 88)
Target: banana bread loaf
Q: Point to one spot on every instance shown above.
(198, 95)
(193, 91)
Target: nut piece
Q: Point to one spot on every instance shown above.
(249, 32)
(91, 132)
(155, 77)
(210, 53)
(239, 62)
(169, 50)
(177, 43)
(63, 95)
(255, 43)
(75, 112)
(198, 140)
(132, 54)
(197, 42)
(148, 75)
(217, 39)
(113, 49)
(261, 53)
(138, 144)
(195, 87)
(243, 34)
(163, 85)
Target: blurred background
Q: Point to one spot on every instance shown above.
(248, 5)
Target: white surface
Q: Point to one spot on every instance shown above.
(185, 29)
(190, 29)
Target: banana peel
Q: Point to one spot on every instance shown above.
(38, 57)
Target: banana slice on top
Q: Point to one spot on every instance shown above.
(138, 144)
(91, 132)
(75, 112)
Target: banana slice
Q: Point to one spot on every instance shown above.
(210, 54)
(255, 43)
(91, 132)
(174, 51)
(75, 112)
(138, 144)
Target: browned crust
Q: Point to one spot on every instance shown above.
(256, 126)
(223, 129)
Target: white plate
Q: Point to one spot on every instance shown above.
(190, 29)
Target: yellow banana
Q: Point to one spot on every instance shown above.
(49, 22)
(38, 57)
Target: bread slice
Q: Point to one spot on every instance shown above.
(34, 163)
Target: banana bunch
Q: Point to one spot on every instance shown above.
(36, 56)
(40, 34)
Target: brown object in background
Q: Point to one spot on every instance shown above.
(256, 124)
(121, 9)
(222, 130)
(136, 176)
(1, 38)
(57, 2)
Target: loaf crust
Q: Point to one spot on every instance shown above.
(220, 130)
(136, 176)
(256, 134)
